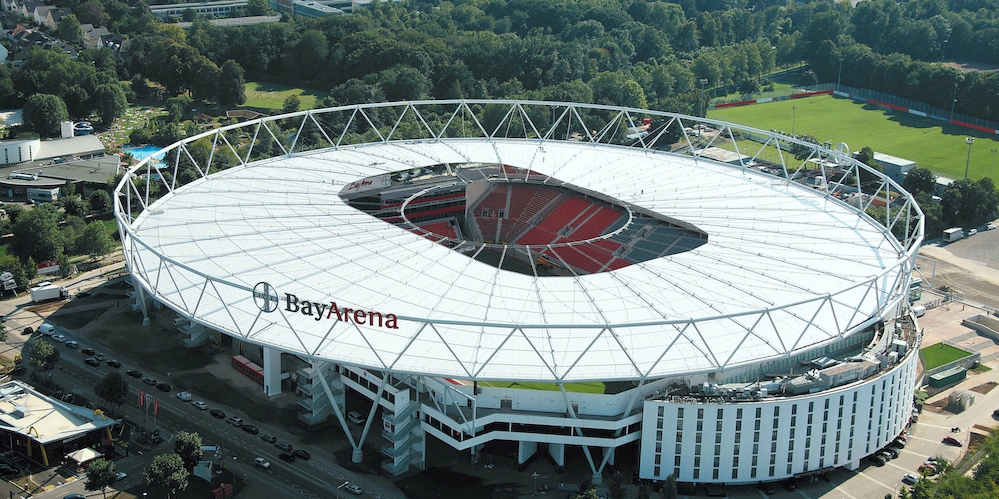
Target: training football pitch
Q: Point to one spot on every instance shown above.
(931, 144)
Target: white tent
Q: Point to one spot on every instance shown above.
(84, 456)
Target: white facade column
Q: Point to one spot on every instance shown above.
(272, 371)
(557, 452)
(525, 450)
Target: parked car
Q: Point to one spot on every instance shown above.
(132, 373)
(6, 469)
(216, 413)
(268, 438)
(100, 356)
(995, 414)
(163, 387)
(766, 488)
(285, 446)
(891, 451)
(72, 344)
(46, 329)
(927, 469)
(252, 430)
(28, 331)
(953, 441)
(235, 421)
(878, 459)
(90, 361)
(356, 417)
(119, 476)
(263, 463)
(185, 396)
(58, 338)
(910, 478)
(114, 363)
(301, 454)
(149, 381)
(75, 496)
(353, 488)
(972, 232)
(287, 457)
(88, 351)
(200, 405)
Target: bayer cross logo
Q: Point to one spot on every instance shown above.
(266, 297)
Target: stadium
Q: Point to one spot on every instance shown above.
(729, 305)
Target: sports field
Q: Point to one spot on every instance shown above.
(592, 387)
(272, 95)
(931, 144)
(939, 354)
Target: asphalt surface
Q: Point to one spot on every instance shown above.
(315, 478)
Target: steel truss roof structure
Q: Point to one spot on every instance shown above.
(786, 268)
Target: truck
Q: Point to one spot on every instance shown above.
(953, 234)
(48, 291)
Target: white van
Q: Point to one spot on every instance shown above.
(356, 417)
(919, 310)
(46, 329)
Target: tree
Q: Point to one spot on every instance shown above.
(616, 486)
(94, 241)
(36, 234)
(232, 91)
(100, 201)
(43, 356)
(112, 389)
(74, 206)
(291, 104)
(177, 107)
(669, 489)
(188, 447)
(69, 29)
(586, 483)
(111, 102)
(43, 113)
(968, 202)
(3, 332)
(257, 7)
(588, 494)
(920, 180)
(644, 492)
(167, 471)
(100, 475)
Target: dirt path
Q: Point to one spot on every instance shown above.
(976, 281)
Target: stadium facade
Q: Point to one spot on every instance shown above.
(727, 303)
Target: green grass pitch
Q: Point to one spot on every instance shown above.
(939, 354)
(930, 143)
(272, 96)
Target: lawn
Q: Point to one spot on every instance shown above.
(931, 144)
(592, 387)
(272, 96)
(939, 354)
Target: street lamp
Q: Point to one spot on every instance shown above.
(993, 162)
(969, 141)
(703, 82)
(535, 475)
(953, 104)
(840, 75)
(794, 117)
(338, 489)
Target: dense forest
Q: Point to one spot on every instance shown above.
(637, 53)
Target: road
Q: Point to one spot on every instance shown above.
(305, 479)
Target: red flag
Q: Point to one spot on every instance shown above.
(156, 406)
(142, 398)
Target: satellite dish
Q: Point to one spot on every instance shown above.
(843, 152)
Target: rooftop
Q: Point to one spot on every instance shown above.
(28, 412)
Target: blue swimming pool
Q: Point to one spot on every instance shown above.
(142, 152)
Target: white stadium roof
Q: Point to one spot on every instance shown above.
(785, 268)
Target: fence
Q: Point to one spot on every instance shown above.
(879, 99)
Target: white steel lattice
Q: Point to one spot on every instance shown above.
(786, 267)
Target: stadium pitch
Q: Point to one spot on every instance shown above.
(931, 144)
